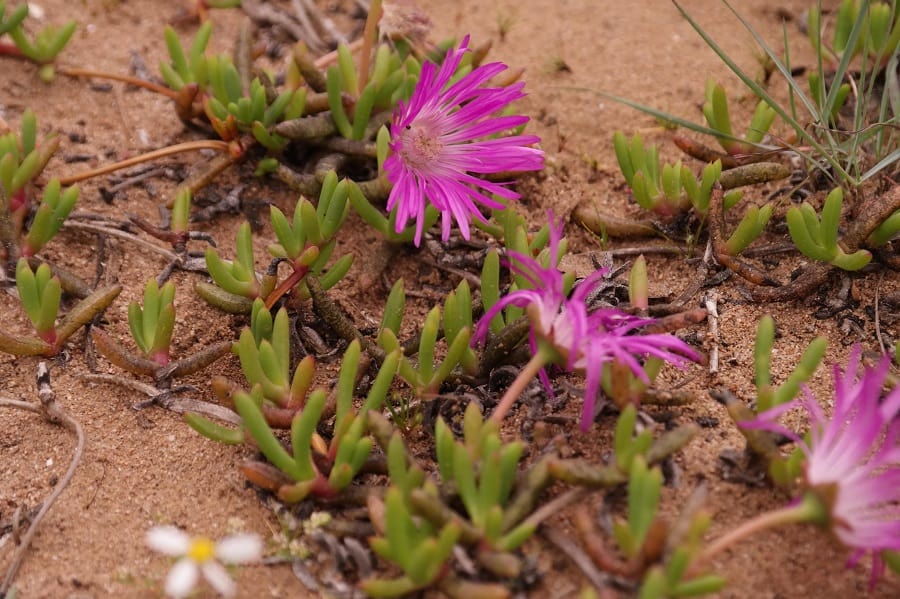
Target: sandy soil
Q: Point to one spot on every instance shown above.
(147, 467)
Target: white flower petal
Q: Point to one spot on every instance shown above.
(239, 549)
(182, 578)
(168, 540)
(218, 577)
(36, 11)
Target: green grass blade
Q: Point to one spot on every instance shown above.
(761, 93)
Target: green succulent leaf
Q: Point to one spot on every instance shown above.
(336, 102)
(302, 429)
(762, 352)
(380, 387)
(14, 19)
(623, 156)
(644, 488)
(347, 379)
(40, 294)
(393, 308)
(702, 585)
(490, 288)
(268, 444)
(817, 238)
(754, 221)
(886, 231)
(237, 277)
(806, 367)
(214, 431)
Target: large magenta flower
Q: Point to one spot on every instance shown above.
(581, 340)
(853, 458)
(438, 145)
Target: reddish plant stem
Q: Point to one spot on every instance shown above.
(286, 285)
(148, 85)
(369, 34)
(7, 49)
(530, 371)
(808, 510)
(189, 146)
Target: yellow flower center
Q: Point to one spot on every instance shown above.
(201, 550)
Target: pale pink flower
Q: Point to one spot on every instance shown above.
(853, 458)
(200, 555)
(439, 148)
(584, 340)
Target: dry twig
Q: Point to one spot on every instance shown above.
(166, 398)
(56, 414)
(712, 311)
(577, 556)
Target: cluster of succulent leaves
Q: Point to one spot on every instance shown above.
(669, 578)
(763, 444)
(715, 111)
(817, 237)
(426, 374)
(306, 244)
(25, 229)
(863, 32)
(212, 86)
(420, 529)
(392, 79)
(43, 48)
(419, 526)
(350, 445)
(656, 555)
(871, 28)
(153, 323)
(673, 189)
(22, 159)
(231, 106)
(663, 570)
(40, 292)
(670, 189)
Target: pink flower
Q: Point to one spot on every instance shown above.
(438, 146)
(853, 458)
(583, 341)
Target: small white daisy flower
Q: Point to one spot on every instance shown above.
(202, 555)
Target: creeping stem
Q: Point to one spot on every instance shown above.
(188, 146)
(529, 371)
